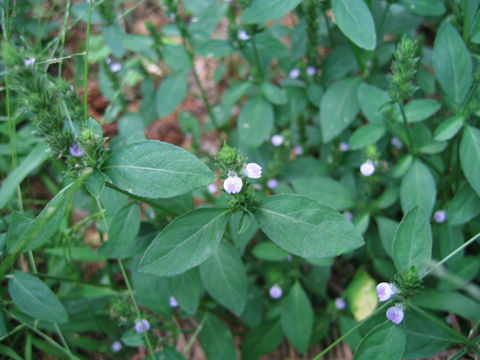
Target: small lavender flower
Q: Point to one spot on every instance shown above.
(367, 168)
(116, 67)
(141, 325)
(385, 291)
(173, 302)
(396, 142)
(277, 140)
(232, 184)
(108, 60)
(311, 70)
(348, 215)
(294, 73)
(340, 304)
(253, 171)
(116, 346)
(440, 216)
(76, 150)
(298, 150)
(289, 258)
(29, 61)
(272, 183)
(275, 292)
(243, 35)
(395, 314)
(344, 146)
(212, 188)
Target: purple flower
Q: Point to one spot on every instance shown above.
(212, 188)
(141, 325)
(344, 146)
(298, 150)
(367, 168)
(440, 216)
(397, 143)
(272, 183)
(173, 302)
(340, 304)
(116, 67)
(29, 61)
(275, 292)
(395, 314)
(311, 70)
(252, 170)
(348, 215)
(385, 291)
(294, 73)
(243, 35)
(232, 184)
(277, 140)
(116, 346)
(76, 150)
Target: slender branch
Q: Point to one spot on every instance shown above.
(407, 128)
(64, 342)
(85, 67)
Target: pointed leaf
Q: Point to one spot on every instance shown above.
(386, 341)
(418, 188)
(260, 10)
(216, 339)
(187, 290)
(171, 93)
(255, 122)
(470, 156)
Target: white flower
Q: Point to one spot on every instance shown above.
(212, 188)
(395, 314)
(275, 292)
(277, 140)
(272, 183)
(311, 70)
(29, 61)
(340, 304)
(440, 216)
(173, 302)
(116, 346)
(252, 170)
(116, 67)
(385, 291)
(243, 35)
(367, 168)
(141, 325)
(294, 73)
(232, 184)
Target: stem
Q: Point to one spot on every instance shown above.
(64, 31)
(405, 124)
(382, 22)
(85, 67)
(344, 336)
(62, 338)
(195, 335)
(204, 97)
(135, 305)
(257, 58)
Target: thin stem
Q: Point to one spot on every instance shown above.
(64, 31)
(32, 262)
(85, 67)
(257, 58)
(195, 335)
(62, 338)
(405, 124)
(135, 305)
(75, 281)
(349, 332)
(382, 22)
(13, 331)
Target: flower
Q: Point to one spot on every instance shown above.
(367, 168)
(116, 67)
(275, 292)
(344, 146)
(395, 313)
(212, 188)
(340, 304)
(298, 150)
(277, 140)
(311, 70)
(396, 142)
(173, 302)
(141, 325)
(440, 216)
(232, 184)
(272, 183)
(348, 215)
(243, 35)
(385, 291)
(76, 150)
(116, 346)
(252, 170)
(294, 73)
(29, 61)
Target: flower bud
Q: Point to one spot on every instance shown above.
(395, 314)
(253, 171)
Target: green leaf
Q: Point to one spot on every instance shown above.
(356, 22)
(240, 240)
(424, 7)
(171, 93)
(269, 251)
(185, 243)
(225, 278)
(297, 318)
(154, 169)
(274, 94)
(420, 110)
(449, 301)
(366, 135)
(152, 292)
(187, 290)
(262, 340)
(216, 339)
(386, 341)
(114, 37)
(418, 188)
(35, 298)
(452, 63)
(215, 49)
(35, 158)
(372, 101)
(95, 183)
(259, 10)
(255, 122)
(470, 156)
(475, 30)
(305, 227)
(338, 108)
(387, 229)
(449, 128)
(464, 207)
(412, 245)
(326, 191)
(122, 232)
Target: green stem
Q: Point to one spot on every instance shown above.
(407, 128)
(62, 39)
(195, 335)
(75, 281)
(85, 67)
(257, 58)
(135, 305)
(349, 332)
(64, 342)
